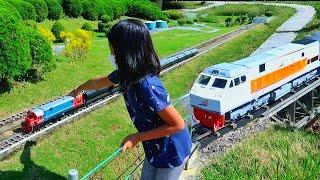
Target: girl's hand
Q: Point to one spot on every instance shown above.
(130, 141)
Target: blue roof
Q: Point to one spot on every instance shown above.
(227, 70)
(56, 102)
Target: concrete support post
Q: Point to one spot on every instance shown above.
(73, 174)
(292, 112)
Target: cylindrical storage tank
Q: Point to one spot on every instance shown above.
(161, 24)
(150, 25)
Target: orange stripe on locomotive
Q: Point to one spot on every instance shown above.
(275, 76)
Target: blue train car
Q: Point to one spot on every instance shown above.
(46, 112)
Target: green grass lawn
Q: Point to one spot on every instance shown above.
(313, 26)
(86, 142)
(69, 74)
(278, 153)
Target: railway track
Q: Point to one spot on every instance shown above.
(19, 138)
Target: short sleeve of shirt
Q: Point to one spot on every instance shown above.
(114, 77)
(155, 95)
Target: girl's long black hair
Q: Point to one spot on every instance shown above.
(134, 51)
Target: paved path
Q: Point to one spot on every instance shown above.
(287, 32)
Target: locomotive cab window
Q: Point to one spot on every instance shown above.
(243, 79)
(204, 79)
(314, 59)
(231, 84)
(236, 81)
(262, 67)
(219, 83)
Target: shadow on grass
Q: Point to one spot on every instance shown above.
(311, 28)
(30, 169)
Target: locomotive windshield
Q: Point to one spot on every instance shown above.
(219, 83)
(204, 79)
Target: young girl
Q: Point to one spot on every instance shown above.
(161, 129)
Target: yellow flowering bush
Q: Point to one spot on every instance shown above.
(47, 33)
(77, 44)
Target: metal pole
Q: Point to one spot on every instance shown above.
(73, 174)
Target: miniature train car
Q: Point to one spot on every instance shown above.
(224, 93)
(169, 61)
(51, 110)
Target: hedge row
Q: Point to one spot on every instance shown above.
(22, 48)
(41, 9)
(54, 9)
(26, 10)
(95, 9)
(37, 10)
(144, 9)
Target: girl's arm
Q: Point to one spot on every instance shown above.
(92, 84)
(173, 124)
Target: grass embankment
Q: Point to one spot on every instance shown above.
(69, 74)
(278, 153)
(314, 25)
(86, 142)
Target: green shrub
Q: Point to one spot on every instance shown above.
(108, 27)
(119, 8)
(7, 7)
(90, 10)
(41, 9)
(41, 56)
(26, 10)
(317, 8)
(195, 20)
(87, 26)
(145, 10)
(15, 49)
(173, 14)
(56, 29)
(173, 5)
(30, 23)
(228, 21)
(104, 27)
(105, 7)
(189, 21)
(112, 8)
(105, 18)
(182, 21)
(72, 8)
(269, 13)
(54, 9)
